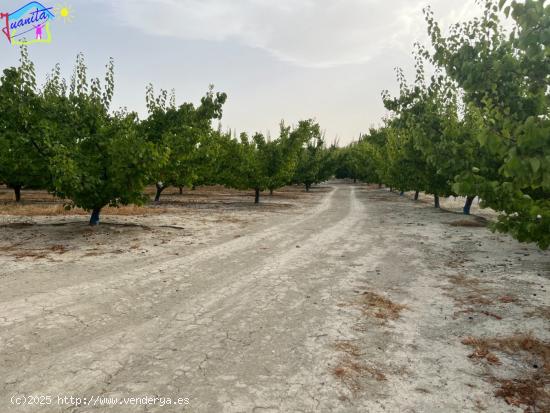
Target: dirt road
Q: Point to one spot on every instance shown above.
(357, 304)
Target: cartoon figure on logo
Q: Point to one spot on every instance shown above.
(38, 31)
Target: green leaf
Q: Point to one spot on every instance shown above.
(535, 164)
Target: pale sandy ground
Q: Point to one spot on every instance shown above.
(346, 299)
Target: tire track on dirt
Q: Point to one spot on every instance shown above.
(18, 310)
(103, 346)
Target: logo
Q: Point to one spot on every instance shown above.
(31, 23)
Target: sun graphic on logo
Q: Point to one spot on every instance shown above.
(65, 12)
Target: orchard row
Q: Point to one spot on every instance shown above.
(64, 138)
(479, 125)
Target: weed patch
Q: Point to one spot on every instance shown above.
(531, 356)
(375, 305)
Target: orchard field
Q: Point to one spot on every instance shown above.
(165, 255)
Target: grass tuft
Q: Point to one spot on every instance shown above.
(532, 387)
(350, 372)
(531, 392)
(380, 307)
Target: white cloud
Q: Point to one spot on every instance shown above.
(313, 33)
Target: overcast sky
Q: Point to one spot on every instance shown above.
(276, 59)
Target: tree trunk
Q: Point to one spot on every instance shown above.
(94, 219)
(17, 190)
(416, 195)
(379, 186)
(307, 187)
(354, 180)
(193, 187)
(257, 195)
(468, 205)
(160, 188)
(181, 190)
(436, 201)
(270, 191)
